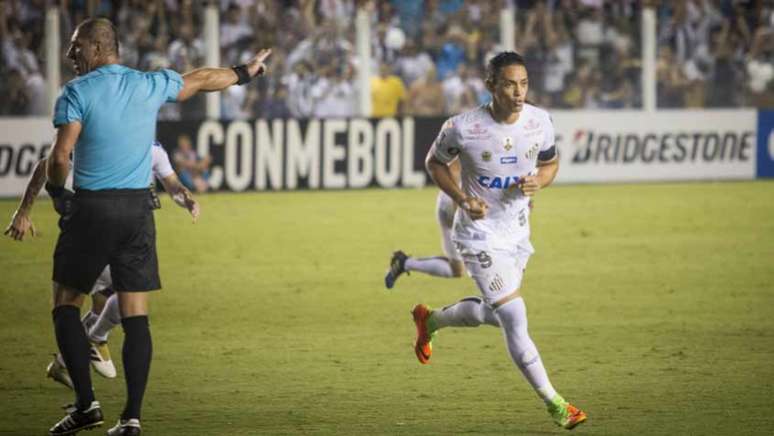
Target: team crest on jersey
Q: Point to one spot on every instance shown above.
(508, 146)
(533, 152)
(486, 156)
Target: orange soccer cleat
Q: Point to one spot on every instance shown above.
(423, 347)
(565, 414)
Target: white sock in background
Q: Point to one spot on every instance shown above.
(468, 312)
(513, 318)
(108, 319)
(89, 319)
(435, 266)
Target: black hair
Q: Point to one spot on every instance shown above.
(500, 61)
(100, 30)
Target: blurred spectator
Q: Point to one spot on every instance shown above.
(569, 46)
(233, 28)
(760, 69)
(273, 105)
(425, 96)
(452, 53)
(186, 50)
(234, 104)
(413, 64)
(387, 93)
(192, 170)
(299, 84)
(16, 98)
(460, 91)
(334, 94)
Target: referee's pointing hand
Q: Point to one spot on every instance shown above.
(256, 67)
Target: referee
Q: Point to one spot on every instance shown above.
(106, 117)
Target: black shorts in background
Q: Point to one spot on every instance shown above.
(111, 227)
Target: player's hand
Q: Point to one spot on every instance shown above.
(256, 67)
(475, 207)
(193, 207)
(186, 200)
(529, 185)
(20, 225)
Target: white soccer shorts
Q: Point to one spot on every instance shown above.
(104, 281)
(444, 212)
(497, 271)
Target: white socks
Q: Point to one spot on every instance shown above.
(513, 318)
(435, 266)
(89, 319)
(468, 312)
(108, 319)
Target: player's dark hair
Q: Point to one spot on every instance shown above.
(500, 61)
(100, 30)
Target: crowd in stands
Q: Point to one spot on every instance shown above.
(428, 56)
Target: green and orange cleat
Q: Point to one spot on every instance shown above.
(565, 414)
(423, 347)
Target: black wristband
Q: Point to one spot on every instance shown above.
(54, 191)
(242, 75)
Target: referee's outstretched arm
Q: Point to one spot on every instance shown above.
(216, 79)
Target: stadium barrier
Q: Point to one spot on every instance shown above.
(595, 147)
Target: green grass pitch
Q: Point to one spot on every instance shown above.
(652, 307)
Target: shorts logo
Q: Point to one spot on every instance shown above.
(484, 259)
(509, 160)
(486, 156)
(496, 284)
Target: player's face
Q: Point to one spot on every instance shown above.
(81, 53)
(509, 88)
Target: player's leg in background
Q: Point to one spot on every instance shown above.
(91, 316)
(451, 264)
(446, 266)
(108, 319)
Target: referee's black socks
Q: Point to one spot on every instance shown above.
(74, 346)
(137, 352)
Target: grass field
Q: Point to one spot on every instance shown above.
(652, 306)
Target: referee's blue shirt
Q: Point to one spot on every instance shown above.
(117, 108)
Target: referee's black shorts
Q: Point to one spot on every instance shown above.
(112, 227)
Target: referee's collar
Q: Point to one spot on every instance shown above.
(110, 68)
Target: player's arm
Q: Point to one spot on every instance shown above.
(217, 79)
(547, 163)
(21, 222)
(181, 195)
(443, 176)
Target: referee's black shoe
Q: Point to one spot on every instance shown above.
(126, 427)
(77, 420)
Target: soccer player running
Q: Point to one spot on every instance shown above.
(507, 153)
(104, 314)
(449, 265)
(106, 117)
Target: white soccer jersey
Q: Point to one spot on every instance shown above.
(494, 157)
(160, 165)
